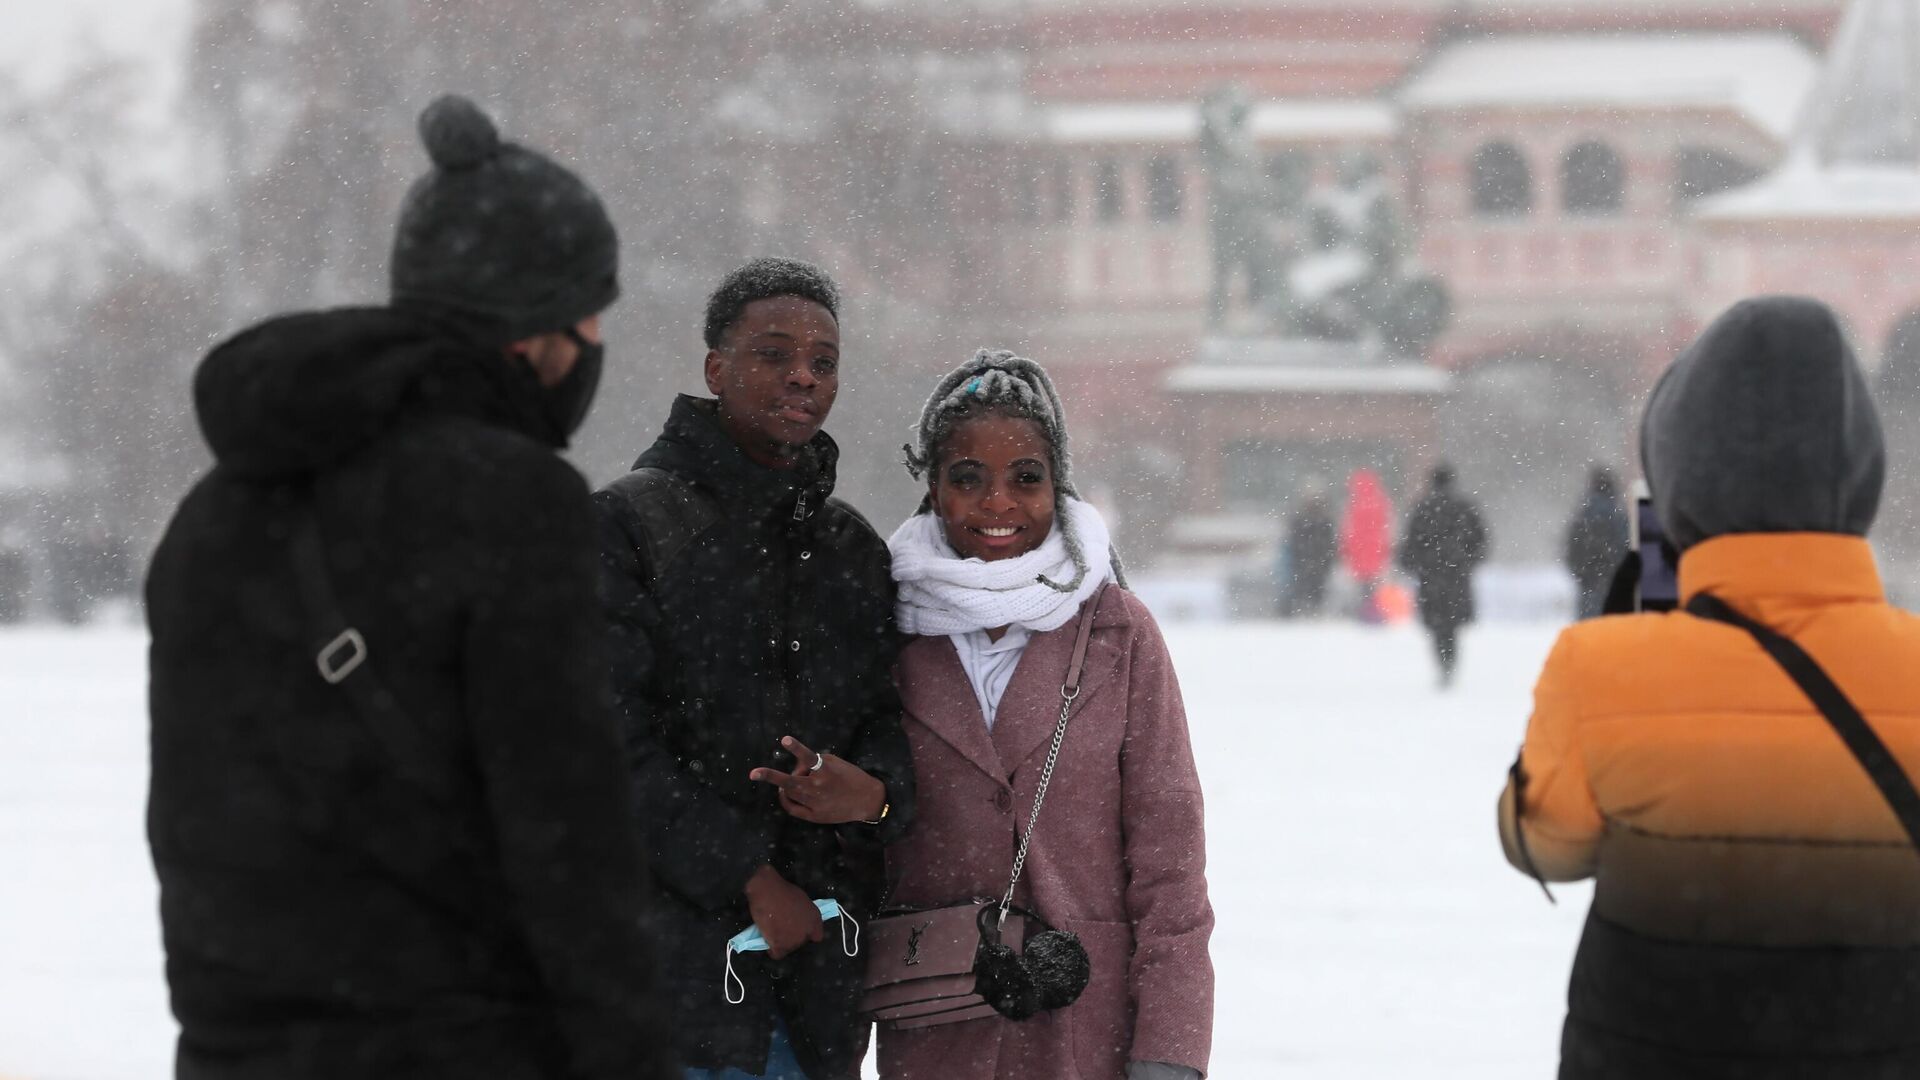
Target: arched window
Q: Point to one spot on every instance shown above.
(1502, 184)
(1109, 198)
(1899, 376)
(1592, 180)
(1166, 188)
(1700, 171)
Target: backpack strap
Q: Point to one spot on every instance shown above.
(343, 660)
(1867, 747)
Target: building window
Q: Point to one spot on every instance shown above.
(1063, 190)
(1165, 188)
(1502, 184)
(1110, 199)
(1700, 171)
(1592, 180)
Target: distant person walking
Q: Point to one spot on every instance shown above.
(1445, 541)
(388, 808)
(1308, 551)
(1366, 537)
(1597, 540)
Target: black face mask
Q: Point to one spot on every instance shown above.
(566, 402)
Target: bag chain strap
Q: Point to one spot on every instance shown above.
(1067, 694)
(1069, 690)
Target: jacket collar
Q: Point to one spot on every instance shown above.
(940, 696)
(694, 445)
(1799, 566)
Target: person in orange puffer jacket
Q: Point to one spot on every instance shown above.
(1756, 909)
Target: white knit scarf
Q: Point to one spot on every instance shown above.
(942, 593)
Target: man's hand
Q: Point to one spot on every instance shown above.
(785, 915)
(824, 789)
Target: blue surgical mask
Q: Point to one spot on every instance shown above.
(749, 940)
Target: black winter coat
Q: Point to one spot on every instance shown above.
(1445, 540)
(324, 917)
(747, 604)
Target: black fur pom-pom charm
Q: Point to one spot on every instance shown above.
(1058, 967)
(1001, 978)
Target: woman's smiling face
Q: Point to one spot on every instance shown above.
(993, 487)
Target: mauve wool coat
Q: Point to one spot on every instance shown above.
(1119, 856)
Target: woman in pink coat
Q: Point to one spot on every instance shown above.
(993, 574)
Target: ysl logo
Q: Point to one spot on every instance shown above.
(913, 943)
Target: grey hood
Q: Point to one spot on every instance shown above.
(1764, 424)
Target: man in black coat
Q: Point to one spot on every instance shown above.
(1597, 541)
(1445, 541)
(1312, 544)
(387, 809)
(753, 618)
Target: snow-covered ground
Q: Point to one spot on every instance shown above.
(1368, 927)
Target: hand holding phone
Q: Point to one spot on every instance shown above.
(1659, 588)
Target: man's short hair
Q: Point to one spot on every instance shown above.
(763, 279)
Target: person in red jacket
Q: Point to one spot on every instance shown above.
(1366, 536)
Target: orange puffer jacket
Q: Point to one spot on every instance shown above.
(1756, 907)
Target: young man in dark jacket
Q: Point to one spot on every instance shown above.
(387, 810)
(753, 618)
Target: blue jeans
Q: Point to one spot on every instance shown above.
(781, 1064)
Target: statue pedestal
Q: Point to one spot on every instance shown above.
(1303, 366)
(1263, 419)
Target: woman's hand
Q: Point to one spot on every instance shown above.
(824, 789)
(784, 914)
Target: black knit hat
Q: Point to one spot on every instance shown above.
(497, 237)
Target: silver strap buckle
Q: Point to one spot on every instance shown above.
(341, 656)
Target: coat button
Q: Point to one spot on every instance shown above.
(794, 645)
(1003, 799)
(805, 555)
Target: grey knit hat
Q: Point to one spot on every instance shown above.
(497, 236)
(998, 383)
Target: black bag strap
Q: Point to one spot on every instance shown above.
(1517, 780)
(341, 655)
(1853, 729)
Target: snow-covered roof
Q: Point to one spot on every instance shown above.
(1800, 190)
(1856, 148)
(1762, 76)
(1280, 378)
(1179, 122)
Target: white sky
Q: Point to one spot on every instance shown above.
(40, 38)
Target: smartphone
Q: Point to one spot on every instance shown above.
(1659, 588)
